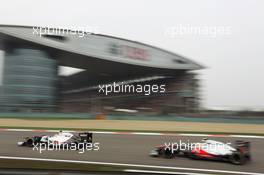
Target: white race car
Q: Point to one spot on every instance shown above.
(207, 149)
(59, 139)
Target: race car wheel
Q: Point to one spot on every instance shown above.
(166, 153)
(29, 142)
(81, 145)
(237, 158)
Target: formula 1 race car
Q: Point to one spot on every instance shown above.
(206, 149)
(59, 139)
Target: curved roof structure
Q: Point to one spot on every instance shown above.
(101, 56)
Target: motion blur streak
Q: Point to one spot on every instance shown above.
(161, 172)
(132, 165)
(133, 150)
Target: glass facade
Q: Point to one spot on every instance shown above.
(29, 81)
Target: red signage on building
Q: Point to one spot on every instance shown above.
(129, 51)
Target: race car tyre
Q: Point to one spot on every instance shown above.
(81, 145)
(29, 142)
(166, 153)
(237, 158)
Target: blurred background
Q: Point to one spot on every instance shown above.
(41, 75)
(185, 69)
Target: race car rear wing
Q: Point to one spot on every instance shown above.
(86, 137)
(242, 146)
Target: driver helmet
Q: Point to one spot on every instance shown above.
(204, 139)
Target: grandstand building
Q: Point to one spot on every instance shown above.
(30, 59)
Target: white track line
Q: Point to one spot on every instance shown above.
(18, 130)
(161, 172)
(148, 133)
(248, 136)
(131, 165)
(141, 133)
(195, 135)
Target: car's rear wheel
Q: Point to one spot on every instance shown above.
(237, 158)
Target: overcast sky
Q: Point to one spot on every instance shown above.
(234, 56)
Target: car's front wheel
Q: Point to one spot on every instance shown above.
(167, 153)
(29, 142)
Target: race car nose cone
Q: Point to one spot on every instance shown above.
(20, 143)
(153, 153)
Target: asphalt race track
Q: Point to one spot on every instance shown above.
(133, 149)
